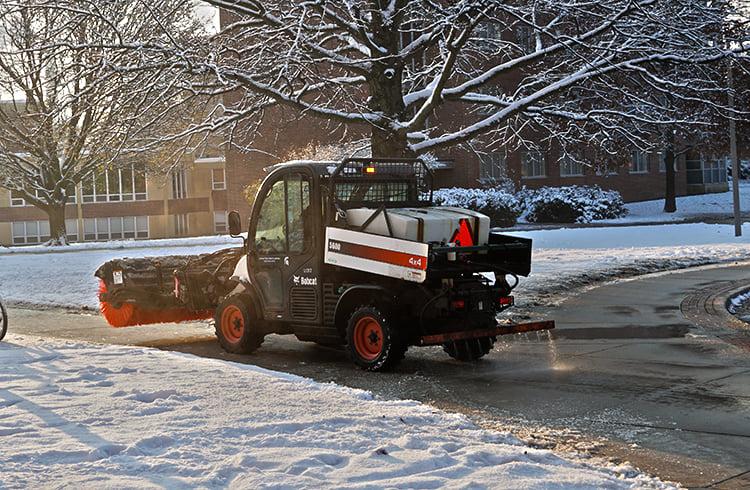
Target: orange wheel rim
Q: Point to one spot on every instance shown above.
(368, 338)
(232, 324)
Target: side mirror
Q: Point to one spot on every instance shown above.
(235, 223)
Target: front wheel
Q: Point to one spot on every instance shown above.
(469, 350)
(237, 326)
(3, 321)
(372, 341)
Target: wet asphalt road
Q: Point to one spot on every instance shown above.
(649, 370)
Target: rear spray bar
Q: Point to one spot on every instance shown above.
(489, 332)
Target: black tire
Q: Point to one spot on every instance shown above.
(236, 326)
(372, 341)
(469, 350)
(3, 321)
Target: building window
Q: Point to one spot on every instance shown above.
(532, 164)
(218, 180)
(180, 224)
(115, 185)
(639, 162)
(17, 199)
(490, 30)
(179, 184)
(715, 171)
(30, 232)
(492, 166)
(525, 38)
(220, 222)
(35, 232)
(569, 167)
(702, 171)
(115, 228)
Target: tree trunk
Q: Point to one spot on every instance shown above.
(56, 214)
(389, 145)
(670, 193)
(387, 97)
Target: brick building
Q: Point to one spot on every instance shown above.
(128, 203)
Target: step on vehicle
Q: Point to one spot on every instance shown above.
(350, 253)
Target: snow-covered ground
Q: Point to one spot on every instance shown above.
(92, 416)
(688, 207)
(564, 259)
(567, 259)
(40, 275)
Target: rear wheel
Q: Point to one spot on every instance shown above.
(469, 350)
(236, 326)
(372, 341)
(3, 321)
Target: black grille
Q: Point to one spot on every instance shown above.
(304, 303)
(364, 182)
(330, 300)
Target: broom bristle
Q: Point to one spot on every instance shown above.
(131, 315)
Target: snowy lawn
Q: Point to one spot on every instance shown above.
(688, 207)
(568, 259)
(564, 259)
(83, 415)
(40, 275)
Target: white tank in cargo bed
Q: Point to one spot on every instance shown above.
(427, 225)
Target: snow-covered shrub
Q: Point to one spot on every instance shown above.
(501, 206)
(744, 169)
(500, 183)
(572, 204)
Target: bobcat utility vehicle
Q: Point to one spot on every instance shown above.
(350, 253)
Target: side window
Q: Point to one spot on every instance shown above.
(270, 233)
(299, 213)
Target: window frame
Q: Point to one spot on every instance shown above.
(567, 160)
(42, 234)
(639, 162)
(97, 197)
(283, 178)
(136, 232)
(496, 163)
(541, 163)
(218, 185)
(225, 229)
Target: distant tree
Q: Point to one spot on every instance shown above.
(70, 104)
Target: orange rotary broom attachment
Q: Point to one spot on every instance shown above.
(169, 289)
(131, 315)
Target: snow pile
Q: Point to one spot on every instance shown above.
(738, 302)
(84, 415)
(502, 207)
(571, 204)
